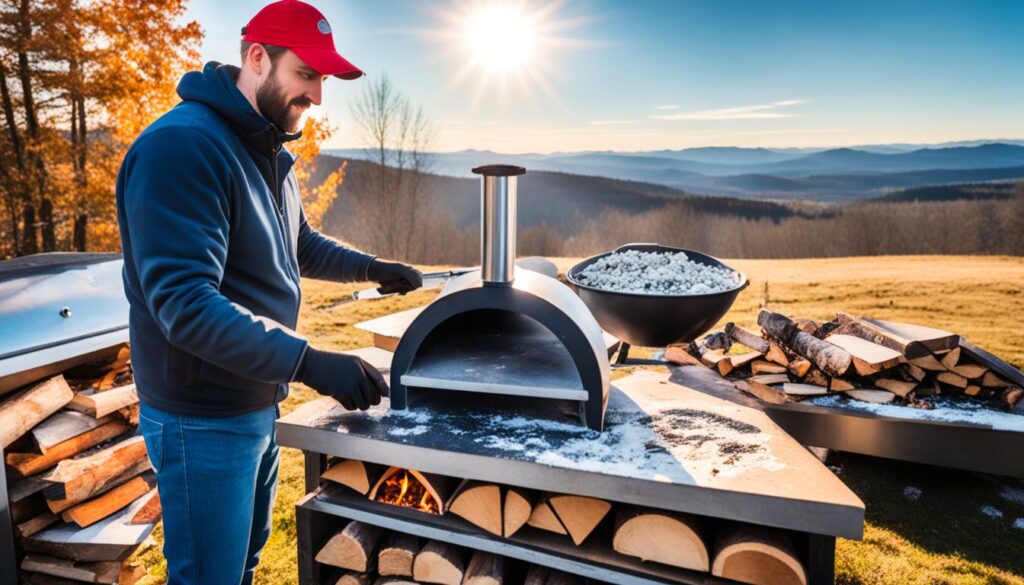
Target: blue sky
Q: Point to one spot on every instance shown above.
(648, 75)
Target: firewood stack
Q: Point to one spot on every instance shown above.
(82, 494)
(370, 555)
(861, 358)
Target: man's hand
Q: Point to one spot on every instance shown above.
(348, 379)
(394, 277)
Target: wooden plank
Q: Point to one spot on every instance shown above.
(803, 390)
(31, 407)
(96, 572)
(763, 391)
(33, 525)
(80, 479)
(931, 338)
(992, 362)
(868, 358)
(878, 396)
(770, 379)
(108, 540)
(758, 367)
(64, 425)
(110, 502)
(27, 464)
(100, 404)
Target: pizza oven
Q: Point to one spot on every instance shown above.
(504, 334)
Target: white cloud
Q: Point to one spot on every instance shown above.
(612, 122)
(758, 112)
(668, 107)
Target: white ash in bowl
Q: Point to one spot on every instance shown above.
(657, 273)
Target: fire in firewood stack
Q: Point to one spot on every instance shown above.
(403, 489)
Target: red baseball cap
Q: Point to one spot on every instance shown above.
(303, 29)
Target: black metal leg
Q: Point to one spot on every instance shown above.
(316, 464)
(821, 559)
(623, 353)
(8, 560)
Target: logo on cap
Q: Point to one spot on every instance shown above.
(323, 27)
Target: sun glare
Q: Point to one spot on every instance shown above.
(500, 37)
(505, 45)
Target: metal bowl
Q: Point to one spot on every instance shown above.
(651, 320)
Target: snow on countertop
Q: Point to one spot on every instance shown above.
(945, 409)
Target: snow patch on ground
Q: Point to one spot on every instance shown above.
(945, 410)
(1012, 494)
(407, 431)
(912, 493)
(991, 511)
(1019, 523)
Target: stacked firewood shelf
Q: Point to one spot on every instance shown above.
(431, 497)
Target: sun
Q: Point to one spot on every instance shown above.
(505, 46)
(500, 37)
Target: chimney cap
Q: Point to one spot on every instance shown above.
(500, 170)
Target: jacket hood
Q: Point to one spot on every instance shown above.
(215, 87)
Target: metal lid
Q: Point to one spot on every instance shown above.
(51, 299)
(499, 170)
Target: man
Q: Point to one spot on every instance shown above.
(214, 240)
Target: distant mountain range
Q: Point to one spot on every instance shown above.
(759, 173)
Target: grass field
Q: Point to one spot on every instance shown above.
(942, 537)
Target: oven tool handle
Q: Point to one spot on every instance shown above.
(431, 280)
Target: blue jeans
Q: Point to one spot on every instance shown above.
(217, 479)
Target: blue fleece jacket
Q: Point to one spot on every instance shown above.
(214, 240)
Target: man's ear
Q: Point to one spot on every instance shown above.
(254, 58)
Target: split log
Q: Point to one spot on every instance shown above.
(517, 508)
(929, 362)
(970, 371)
(27, 464)
(662, 537)
(151, 510)
(65, 425)
(770, 379)
(991, 380)
(803, 390)
(972, 390)
(952, 379)
(997, 365)
(479, 503)
(914, 371)
(799, 367)
(818, 378)
(897, 387)
(100, 404)
(910, 340)
(35, 524)
(951, 359)
(1011, 397)
(484, 569)
(108, 572)
(831, 359)
(868, 358)
(354, 579)
(358, 475)
(758, 367)
(352, 548)
(31, 407)
(100, 507)
(741, 360)
(397, 555)
(26, 498)
(681, 356)
(439, 562)
(76, 480)
(763, 392)
(577, 516)
(759, 556)
(543, 517)
(877, 396)
(776, 355)
(744, 337)
(713, 358)
(807, 325)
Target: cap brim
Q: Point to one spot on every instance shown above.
(328, 62)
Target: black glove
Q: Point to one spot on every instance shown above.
(348, 379)
(394, 277)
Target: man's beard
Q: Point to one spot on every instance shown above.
(271, 102)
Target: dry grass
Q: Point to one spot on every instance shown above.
(940, 538)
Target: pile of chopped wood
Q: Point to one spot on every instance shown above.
(723, 548)
(82, 494)
(864, 359)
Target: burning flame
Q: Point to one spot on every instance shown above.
(403, 489)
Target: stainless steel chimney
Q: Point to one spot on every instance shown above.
(498, 222)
